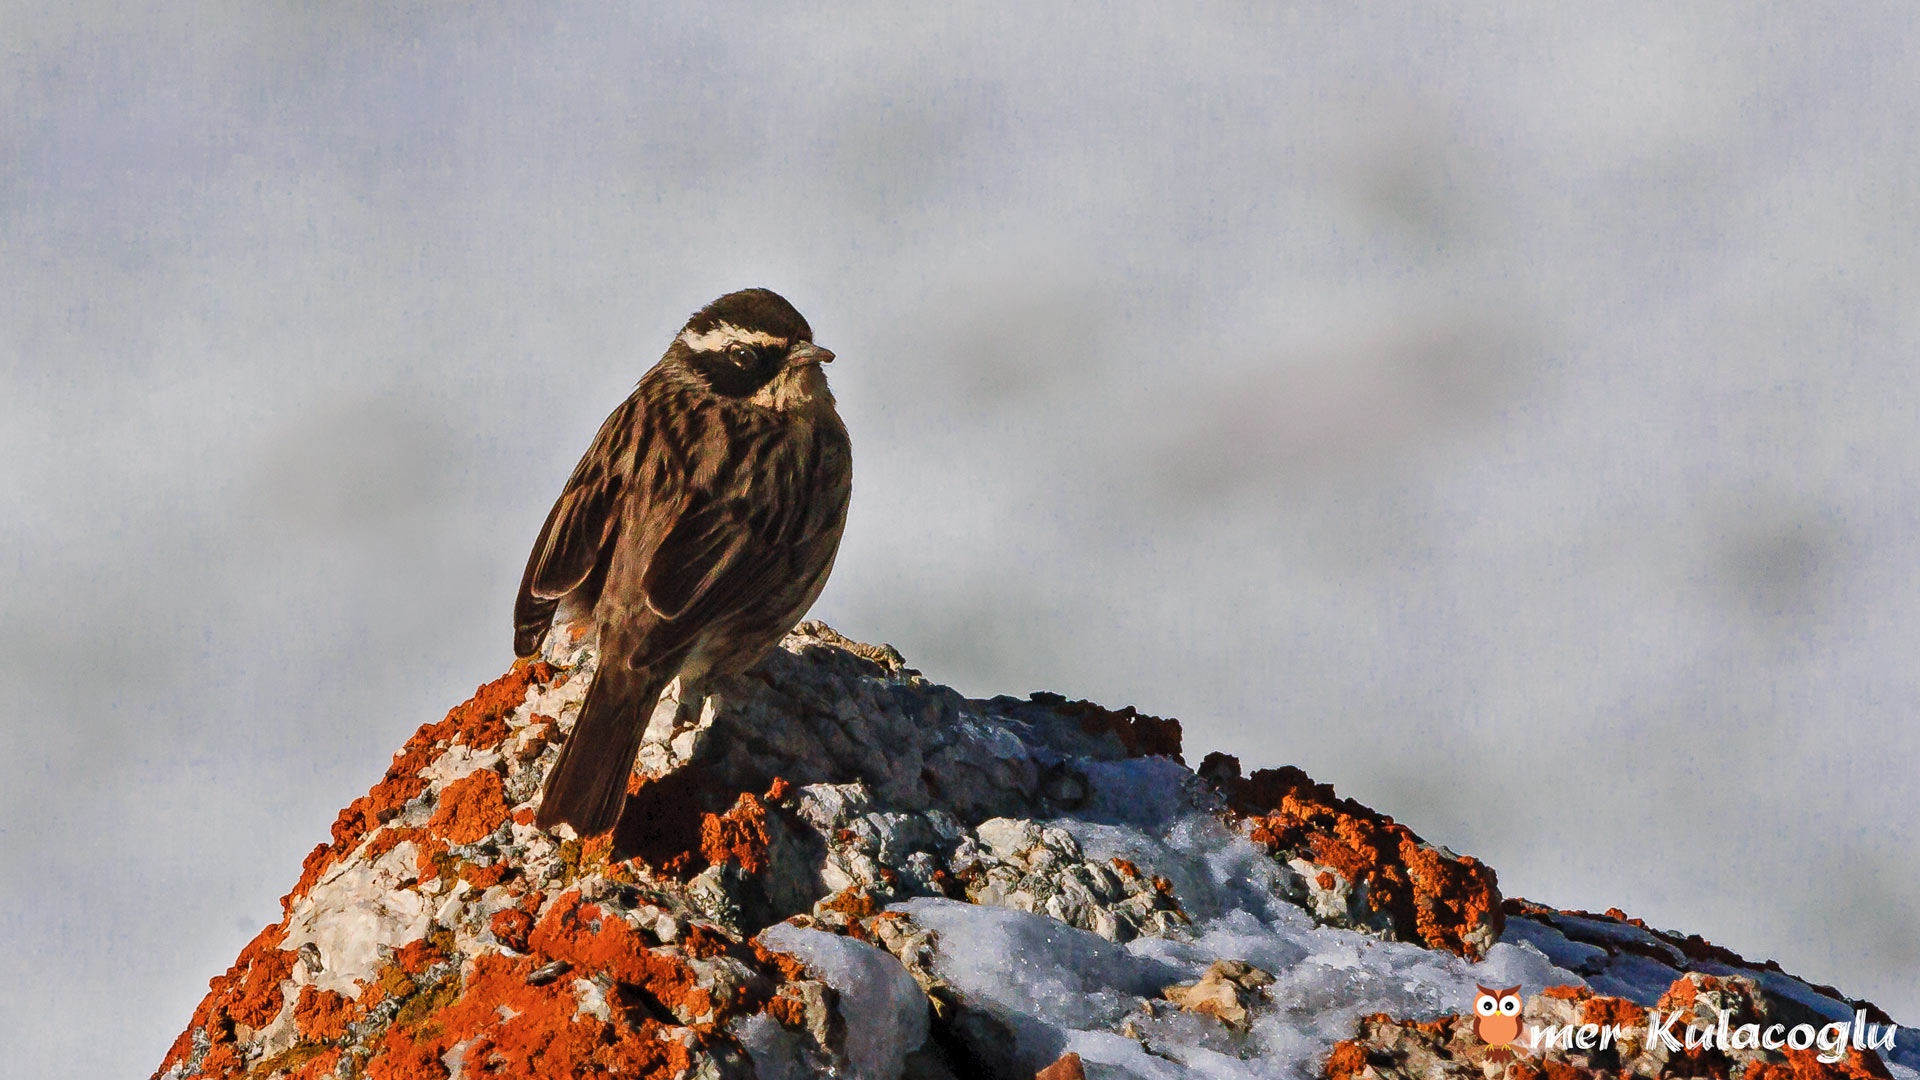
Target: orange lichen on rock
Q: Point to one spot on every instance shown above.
(787, 1011)
(1388, 1049)
(222, 1060)
(247, 995)
(1142, 735)
(1684, 992)
(258, 999)
(594, 941)
(484, 877)
(1612, 1012)
(512, 1028)
(662, 819)
(541, 732)
(1067, 1068)
(1452, 896)
(665, 824)
(391, 982)
(738, 836)
(702, 942)
(324, 1064)
(789, 967)
(1346, 1060)
(1598, 1009)
(1806, 1065)
(431, 858)
(417, 956)
(479, 722)
(399, 1056)
(322, 1014)
(510, 927)
(1441, 900)
(856, 901)
(256, 989)
(470, 808)
(392, 837)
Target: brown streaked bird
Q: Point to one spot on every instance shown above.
(696, 531)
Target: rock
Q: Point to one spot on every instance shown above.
(1067, 1068)
(832, 864)
(1360, 869)
(1222, 993)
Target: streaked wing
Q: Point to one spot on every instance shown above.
(581, 528)
(726, 555)
(711, 539)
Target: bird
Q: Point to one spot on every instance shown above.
(1497, 1015)
(697, 529)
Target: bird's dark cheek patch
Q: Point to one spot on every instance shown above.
(727, 378)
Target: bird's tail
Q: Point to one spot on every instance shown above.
(589, 781)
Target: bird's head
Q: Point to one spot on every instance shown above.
(752, 344)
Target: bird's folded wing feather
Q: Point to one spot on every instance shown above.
(723, 554)
(710, 542)
(584, 522)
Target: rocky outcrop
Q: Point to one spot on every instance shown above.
(833, 866)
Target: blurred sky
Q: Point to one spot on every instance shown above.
(1507, 416)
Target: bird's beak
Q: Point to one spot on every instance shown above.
(806, 352)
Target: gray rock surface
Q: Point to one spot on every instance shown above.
(834, 866)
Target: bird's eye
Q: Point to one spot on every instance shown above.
(1486, 1006)
(741, 355)
(1510, 1006)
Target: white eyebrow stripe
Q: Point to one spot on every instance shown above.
(725, 334)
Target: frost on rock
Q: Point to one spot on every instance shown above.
(834, 867)
(882, 1009)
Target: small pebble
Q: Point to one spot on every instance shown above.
(546, 973)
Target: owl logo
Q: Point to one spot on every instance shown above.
(1497, 1015)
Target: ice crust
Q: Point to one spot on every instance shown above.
(1059, 989)
(884, 1009)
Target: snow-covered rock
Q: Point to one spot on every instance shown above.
(835, 867)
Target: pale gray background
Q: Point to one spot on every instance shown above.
(1509, 417)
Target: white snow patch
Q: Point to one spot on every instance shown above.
(1122, 1057)
(884, 1009)
(1034, 965)
(778, 1054)
(1060, 989)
